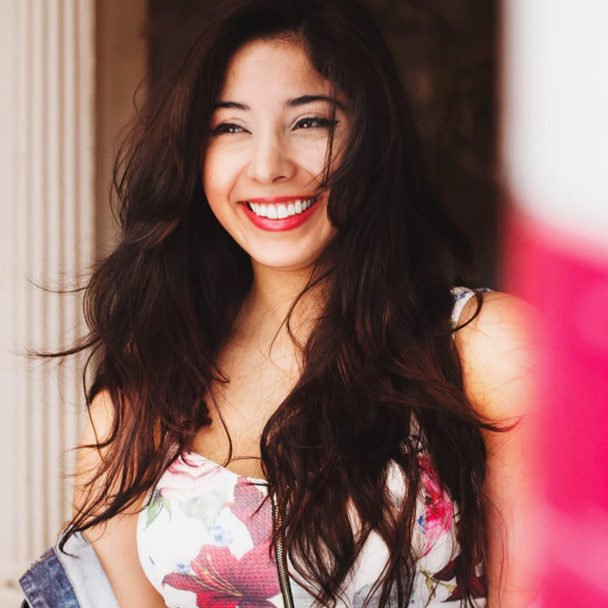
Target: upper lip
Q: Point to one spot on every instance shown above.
(279, 199)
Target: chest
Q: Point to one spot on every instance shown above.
(240, 408)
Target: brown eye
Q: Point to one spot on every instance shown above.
(316, 123)
(226, 127)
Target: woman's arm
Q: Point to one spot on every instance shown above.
(115, 541)
(498, 363)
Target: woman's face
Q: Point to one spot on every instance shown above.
(266, 154)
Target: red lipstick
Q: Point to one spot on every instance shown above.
(288, 223)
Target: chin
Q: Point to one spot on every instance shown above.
(285, 265)
(285, 261)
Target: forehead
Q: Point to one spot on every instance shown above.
(271, 68)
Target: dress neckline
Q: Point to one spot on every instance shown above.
(190, 454)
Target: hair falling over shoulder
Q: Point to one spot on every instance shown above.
(162, 304)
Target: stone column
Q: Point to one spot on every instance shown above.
(68, 72)
(47, 132)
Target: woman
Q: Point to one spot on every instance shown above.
(282, 410)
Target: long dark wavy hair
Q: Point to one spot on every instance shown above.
(380, 357)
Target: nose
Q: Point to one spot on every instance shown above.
(270, 160)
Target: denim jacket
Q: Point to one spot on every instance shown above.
(74, 579)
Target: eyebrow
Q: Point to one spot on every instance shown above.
(290, 103)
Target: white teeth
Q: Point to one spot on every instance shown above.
(280, 212)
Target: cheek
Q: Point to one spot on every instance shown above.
(311, 157)
(219, 176)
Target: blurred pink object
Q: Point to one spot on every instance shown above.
(571, 291)
(555, 156)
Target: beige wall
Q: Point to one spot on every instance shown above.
(68, 69)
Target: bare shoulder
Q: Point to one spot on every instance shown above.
(497, 351)
(97, 428)
(101, 416)
(497, 354)
(115, 541)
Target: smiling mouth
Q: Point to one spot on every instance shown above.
(282, 210)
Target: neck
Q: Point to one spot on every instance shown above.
(272, 295)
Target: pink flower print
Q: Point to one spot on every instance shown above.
(438, 508)
(188, 476)
(250, 508)
(453, 571)
(221, 580)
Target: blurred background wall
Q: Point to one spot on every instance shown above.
(69, 72)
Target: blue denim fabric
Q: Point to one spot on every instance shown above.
(74, 579)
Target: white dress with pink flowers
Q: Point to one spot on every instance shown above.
(204, 538)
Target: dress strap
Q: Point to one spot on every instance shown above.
(461, 296)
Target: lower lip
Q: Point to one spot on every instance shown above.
(288, 223)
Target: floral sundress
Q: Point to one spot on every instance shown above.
(204, 539)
